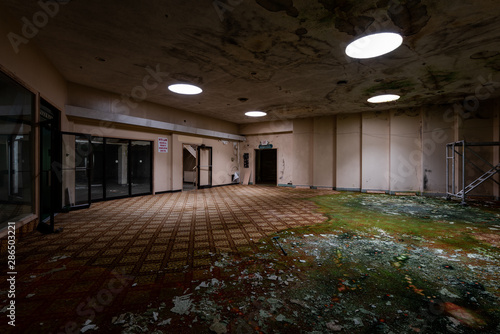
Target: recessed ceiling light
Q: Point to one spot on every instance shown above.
(383, 98)
(185, 89)
(374, 45)
(255, 113)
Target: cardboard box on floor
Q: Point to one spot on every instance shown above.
(246, 177)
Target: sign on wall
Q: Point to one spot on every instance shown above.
(162, 145)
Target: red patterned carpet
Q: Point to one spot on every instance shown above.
(122, 255)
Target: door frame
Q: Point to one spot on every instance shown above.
(88, 169)
(258, 162)
(195, 168)
(198, 166)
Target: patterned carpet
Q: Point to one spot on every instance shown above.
(120, 255)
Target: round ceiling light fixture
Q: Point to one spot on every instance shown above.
(255, 113)
(374, 45)
(384, 98)
(185, 89)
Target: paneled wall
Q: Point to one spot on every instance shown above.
(390, 151)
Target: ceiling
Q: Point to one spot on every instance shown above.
(285, 57)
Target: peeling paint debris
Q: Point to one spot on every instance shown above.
(88, 326)
(165, 322)
(182, 304)
(334, 327)
(57, 258)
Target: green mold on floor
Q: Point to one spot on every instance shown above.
(378, 264)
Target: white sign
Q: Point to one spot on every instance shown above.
(162, 145)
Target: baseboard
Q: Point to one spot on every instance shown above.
(374, 191)
(225, 185)
(348, 189)
(167, 192)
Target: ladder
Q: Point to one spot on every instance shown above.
(474, 184)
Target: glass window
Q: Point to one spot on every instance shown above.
(16, 151)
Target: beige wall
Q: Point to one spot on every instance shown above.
(29, 65)
(324, 165)
(91, 98)
(274, 127)
(405, 170)
(349, 151)
(438, 129)
(302, 148)
(282, 143)
(277, 133)
(375, 151)
(391, 151)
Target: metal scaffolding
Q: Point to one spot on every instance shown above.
(457, 161)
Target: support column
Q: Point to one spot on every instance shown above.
(323, 152)
(303, 151)
(349, 152)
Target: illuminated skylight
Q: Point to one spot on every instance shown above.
(185, 89)
(374, 45)
(383, 98)
(255, 113)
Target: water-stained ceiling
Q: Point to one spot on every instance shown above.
(285, 57)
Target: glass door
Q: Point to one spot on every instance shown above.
(140, 167)
(116, 168)
(98, 173)
(76, 170)
(204, 167)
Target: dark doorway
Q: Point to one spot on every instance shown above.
(266, 166)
